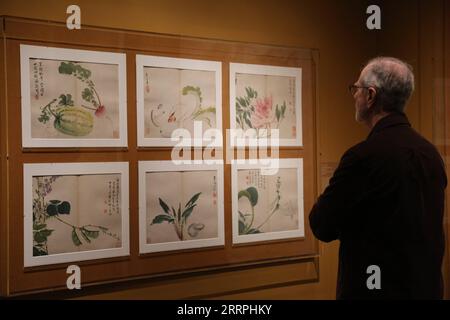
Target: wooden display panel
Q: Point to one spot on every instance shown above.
(19, 280)
(446, 152)
(3, 171)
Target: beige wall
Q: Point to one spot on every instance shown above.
(336, 28)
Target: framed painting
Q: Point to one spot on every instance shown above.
(180, 206)
(175, 94)
(72, 98)
(267, 205)
(263, 99)
(75, 212)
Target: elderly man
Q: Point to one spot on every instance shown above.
(385, 201)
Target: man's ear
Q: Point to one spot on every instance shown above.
(371, 95)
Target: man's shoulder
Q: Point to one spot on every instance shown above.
(354, 153)
(356, 150)
(369, 149)
(393, 145)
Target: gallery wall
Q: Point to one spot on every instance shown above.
(337, 30)
(415, 31)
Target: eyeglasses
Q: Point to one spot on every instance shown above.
(353, 88)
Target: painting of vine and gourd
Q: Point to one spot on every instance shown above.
(72, 97)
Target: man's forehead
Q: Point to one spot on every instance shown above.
(363, 71)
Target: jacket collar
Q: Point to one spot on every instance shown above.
(391, 120)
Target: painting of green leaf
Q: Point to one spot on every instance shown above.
(200, 113)
(181, 206)
(66, 220)
(246, 220)
(264, 102)
(176, 98)
(74, 100)
(266, 203)
(179, 218)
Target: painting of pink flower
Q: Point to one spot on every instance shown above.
(263, 114)
(100, 111)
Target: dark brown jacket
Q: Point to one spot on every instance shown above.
(385, 204)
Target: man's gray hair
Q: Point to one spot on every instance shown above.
(394, 81)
